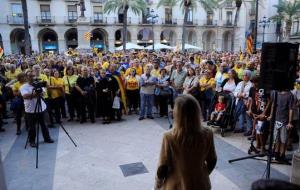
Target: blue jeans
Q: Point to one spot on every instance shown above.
(244, 117)
(147, 100)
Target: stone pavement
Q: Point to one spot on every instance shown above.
(119, 156)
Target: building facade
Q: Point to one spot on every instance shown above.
(54, 26)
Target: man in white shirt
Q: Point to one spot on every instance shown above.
(241, 93)
(147, 83)
(30, 100)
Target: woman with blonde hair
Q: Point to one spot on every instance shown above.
(187, 154)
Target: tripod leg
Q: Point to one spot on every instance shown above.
(68, 135)
(26, 141)
(246, 157)
(37, 144)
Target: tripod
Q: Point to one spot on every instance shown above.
(270, 148)
(37, 116)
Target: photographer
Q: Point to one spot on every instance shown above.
(30, 95)
(85, 85)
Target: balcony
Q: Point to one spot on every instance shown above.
(169, 22)
(15, 20)
(98, 1)
(120, 21)
(45, 20)
(227, 23)
(71, 20)
(194, 22)
(98, 21)
(210, 23)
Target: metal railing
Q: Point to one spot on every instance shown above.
(15, 20)
(120, 21)
(98, 1)
(169, 22)
(209, 23)
(45, 20)
(95, 20)
(193, 22)
(71, 20)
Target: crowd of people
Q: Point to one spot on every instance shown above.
(109, 85)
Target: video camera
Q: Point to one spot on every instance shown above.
(38, 85)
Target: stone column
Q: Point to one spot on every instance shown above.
(82, 28)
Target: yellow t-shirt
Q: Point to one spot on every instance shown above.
(16, 87)
(69, 81)
(132, 83)
(139, 71)
(11, 76)
(105, 65)
(204, 81)
(57, 82)
(239, 72)
(155, 72)
(44, 78)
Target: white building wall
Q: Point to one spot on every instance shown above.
(59, 11)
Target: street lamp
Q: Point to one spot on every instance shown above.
(152, 18)
(263, 23)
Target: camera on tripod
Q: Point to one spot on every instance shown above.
(38, 85)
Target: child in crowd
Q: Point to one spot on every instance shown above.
(218, 112)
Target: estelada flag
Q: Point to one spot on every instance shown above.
(87, 36)
(1, 52)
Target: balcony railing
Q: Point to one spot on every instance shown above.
(120, 21)
(210, 23)
(45, 20)
(15, 20)
(71, 20)
(192, 22)
(227, 23)
(98, 1)
(98, 20)
(169, 22)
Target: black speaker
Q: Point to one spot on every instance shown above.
(278, 66)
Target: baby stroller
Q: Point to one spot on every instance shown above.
(227, 117)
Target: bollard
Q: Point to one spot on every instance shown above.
(295, 177)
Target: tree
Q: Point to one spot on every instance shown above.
(26, 27)
(186, 6)
(137, 7)
(287, 11)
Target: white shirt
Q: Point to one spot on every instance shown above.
(229, 86)
(30, 104)
(243, 88)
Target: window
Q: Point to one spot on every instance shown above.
(190, 16)
(45, 13)
(72, 13)
(17, 13)
(229, 18)
(295, 27)
(210, 17)
(168, 15)
(98, 14)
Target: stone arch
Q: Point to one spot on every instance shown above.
(71, 38)
(119, 37)
(191, 37)
(209, 40)
(99, 38)
(48, 40)
(168, 37)
(227, 40)
(17, 40)
(145, 37)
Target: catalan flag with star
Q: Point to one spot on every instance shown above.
(249, 39)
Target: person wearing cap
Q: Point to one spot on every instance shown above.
(241, 94)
